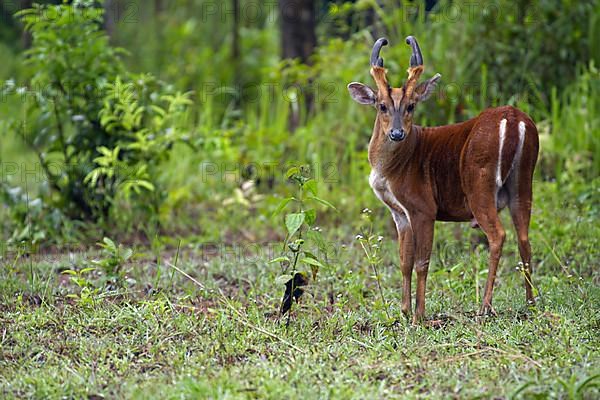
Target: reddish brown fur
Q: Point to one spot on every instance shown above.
(448, 173)
(444, 159)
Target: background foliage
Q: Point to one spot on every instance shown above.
(256, 109)
(172, 140)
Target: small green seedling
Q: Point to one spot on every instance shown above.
(302, 235)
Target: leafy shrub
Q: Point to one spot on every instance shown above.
(100, 132)
(144, 125)
(32, 221)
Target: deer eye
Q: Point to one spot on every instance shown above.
(382, 108)
(410, 108)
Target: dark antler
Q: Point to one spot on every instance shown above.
(416, 58)
(377, 61)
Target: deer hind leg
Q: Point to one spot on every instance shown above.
(519, 186)
(501, 202)
(520, 213)
(483, 205)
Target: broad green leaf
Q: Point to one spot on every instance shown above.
(291, 172)
(280, 259)
(324, 202)
(312, 261)
(127, 254)
(282, 204)
(293, 222)
(145, 184)
(109, 244)
(308, 253)
(158, 110)
(310, 186)
(92, 177)
(69, 272)
(283, 279)
(311, 216)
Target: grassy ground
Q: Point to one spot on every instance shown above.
(162, 335)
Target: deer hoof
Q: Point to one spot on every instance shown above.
(418, 319)
(531, 302)
(487, 310)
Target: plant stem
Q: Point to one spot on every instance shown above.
(373, 263)
(385, 305)
(30, 229)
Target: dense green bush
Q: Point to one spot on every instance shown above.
(68, 65)
(99, 131)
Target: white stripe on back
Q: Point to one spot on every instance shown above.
(499, 167)
(517, 159)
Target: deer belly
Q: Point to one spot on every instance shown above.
(459, 214)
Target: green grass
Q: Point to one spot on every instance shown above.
(163, 336)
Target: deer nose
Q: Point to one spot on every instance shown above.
(397, 134)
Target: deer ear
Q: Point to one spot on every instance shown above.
(362, 94)
(425, 89)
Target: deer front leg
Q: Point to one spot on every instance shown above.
(423, 239)
(407, 261)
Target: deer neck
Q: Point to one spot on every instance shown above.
(386, 156)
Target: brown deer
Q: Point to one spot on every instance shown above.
(467, 171)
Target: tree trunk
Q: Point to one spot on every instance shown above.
(159, 6)
(26, 36)
(235, 51)
(110, 13)
(297, 19)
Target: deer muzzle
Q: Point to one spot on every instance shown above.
(397, 135)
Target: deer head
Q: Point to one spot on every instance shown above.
(395, 106)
